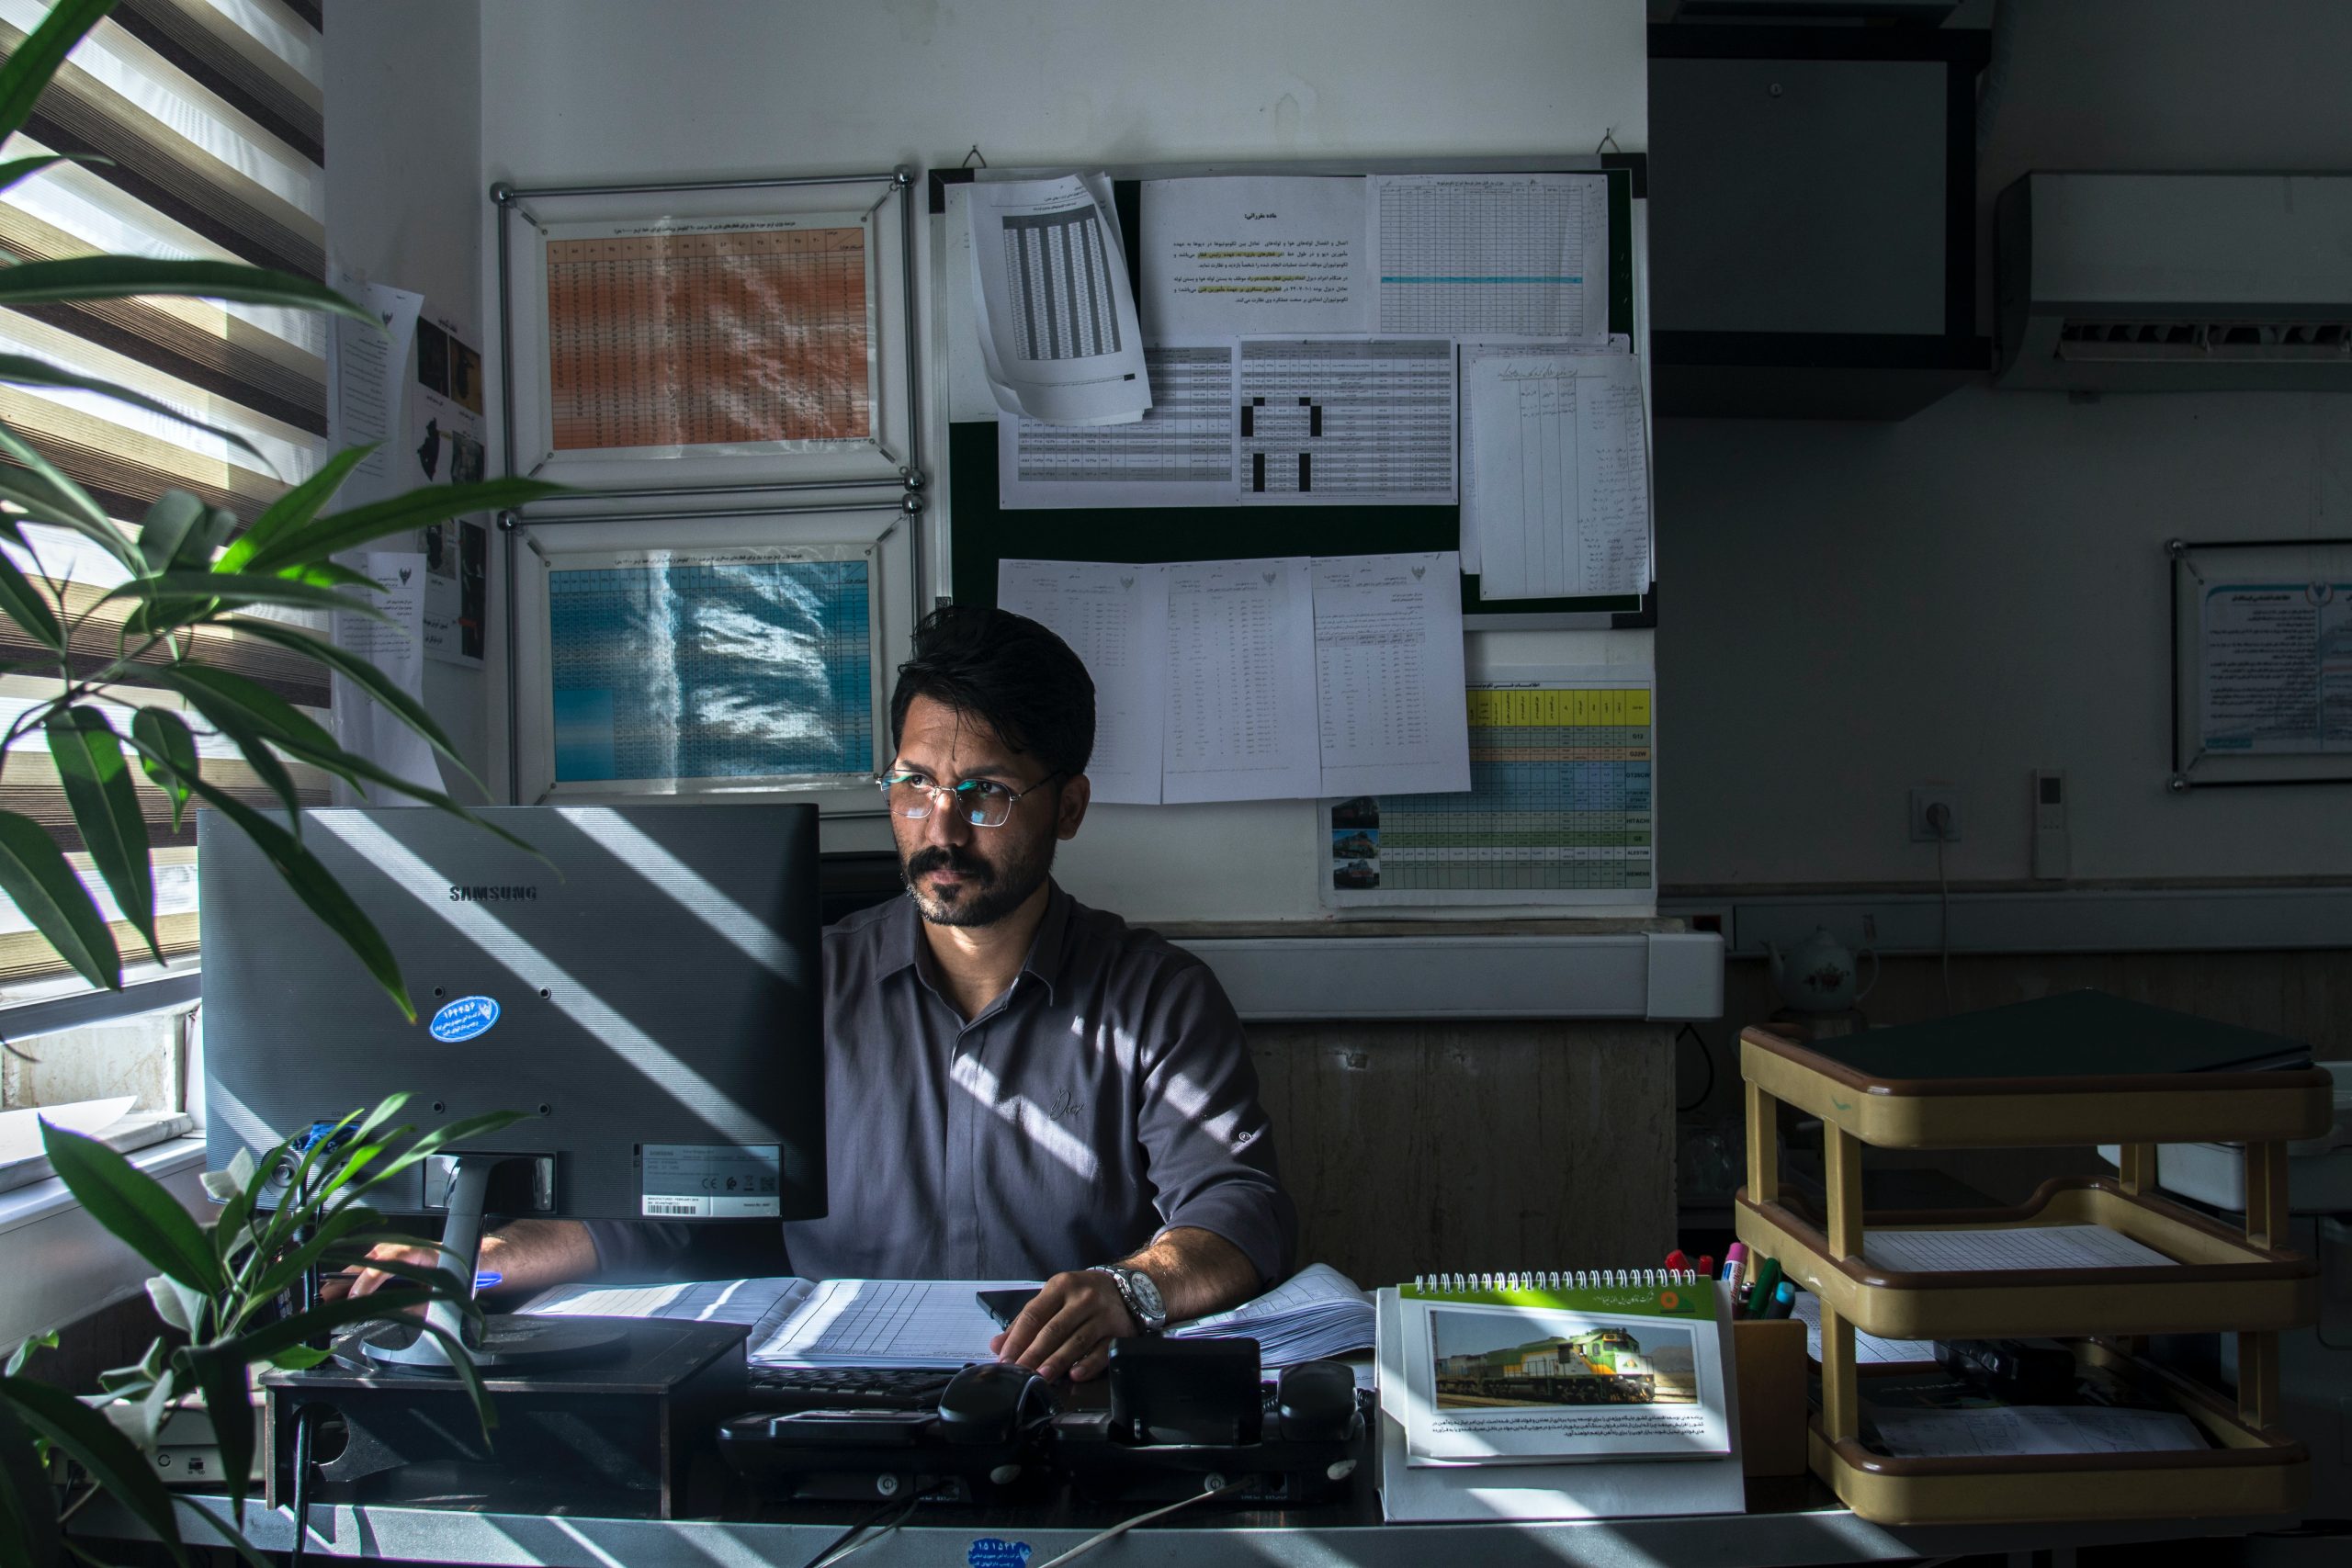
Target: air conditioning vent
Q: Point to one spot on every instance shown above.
(2105, 342)
(2151, 283)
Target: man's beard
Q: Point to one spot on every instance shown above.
(987, 896)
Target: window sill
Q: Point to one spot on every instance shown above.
(58, 1265)
(126, 1136)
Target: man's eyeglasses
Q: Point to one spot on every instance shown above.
(981, 801)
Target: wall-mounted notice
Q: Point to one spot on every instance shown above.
(1555, 477)
(1281, 679)
(2276, 661)
(1179, 454)
(1347, 422)
(1558, 809)
(1493, 255)
(1059, 334)
(1114, 617)
(1245, 254)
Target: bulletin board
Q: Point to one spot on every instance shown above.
(982, 532)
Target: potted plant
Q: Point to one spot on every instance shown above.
(187, 569)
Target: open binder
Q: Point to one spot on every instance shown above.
(1557, 1396)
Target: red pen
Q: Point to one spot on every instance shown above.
(1676, 1263)
(1707, 1265)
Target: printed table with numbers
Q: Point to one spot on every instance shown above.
(1558, 810)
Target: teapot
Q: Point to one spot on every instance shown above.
(1817, 973)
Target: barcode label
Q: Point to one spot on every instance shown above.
(686, 1206)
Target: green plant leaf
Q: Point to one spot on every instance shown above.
(300, 1358)
(29, 1537)
(135, 1209)
(327, 574)
(120, 1470)
(261, 708)
(61, 500)
(181, 589)
(28, 71)
(361, 524)
(178, 1305)
(131, 278)
(23, 370)
(231, 722)
(140, 1417)
(374, 681)
(457, 1132)
(310, 882)
(294, 508)
(37, 879)
(261, 1343)
(105, 804)
(29, 606)
(218, 1369)
(358, 772)
(168, 751)
(24, 1349)
(167, 527)
(16, 171)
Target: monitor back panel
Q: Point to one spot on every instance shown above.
(649, 992)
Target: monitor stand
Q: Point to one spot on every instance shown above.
(519, 1344)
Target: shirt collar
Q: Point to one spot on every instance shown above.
(902, 940)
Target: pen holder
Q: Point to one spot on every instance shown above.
(1770, 1353)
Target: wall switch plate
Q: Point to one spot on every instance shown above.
(1922, 797)
(2053, 849)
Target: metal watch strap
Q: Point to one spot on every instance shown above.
(1120, 1282)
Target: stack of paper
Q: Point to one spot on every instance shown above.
(1316, 1312)
(797, 1322)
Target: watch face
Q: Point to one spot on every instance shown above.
(1146, 1294)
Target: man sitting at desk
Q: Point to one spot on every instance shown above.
(1016, 1086)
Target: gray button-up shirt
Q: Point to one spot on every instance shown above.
(1107, 1095)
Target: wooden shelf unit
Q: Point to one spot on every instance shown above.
(2220, 1280)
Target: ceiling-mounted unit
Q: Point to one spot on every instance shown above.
(2167, 283)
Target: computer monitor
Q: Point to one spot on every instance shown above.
(649, 993)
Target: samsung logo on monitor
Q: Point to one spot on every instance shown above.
(508, 893)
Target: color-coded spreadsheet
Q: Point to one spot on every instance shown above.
(1558, 810)
(684, 665)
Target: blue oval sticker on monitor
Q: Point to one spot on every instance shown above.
(464, 1019)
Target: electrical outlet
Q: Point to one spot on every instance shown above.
(1926, 796)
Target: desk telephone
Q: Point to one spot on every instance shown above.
(1179, 1412)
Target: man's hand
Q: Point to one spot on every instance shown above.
(366, 1282)
(1067, 1328)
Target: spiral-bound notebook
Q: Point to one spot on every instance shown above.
(1556, 1396)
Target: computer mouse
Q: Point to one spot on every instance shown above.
(989, 1402)
(1316, 1402)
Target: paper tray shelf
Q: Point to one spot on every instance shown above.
(1992, 1112)
(2220, 1280)
(2252, 1471)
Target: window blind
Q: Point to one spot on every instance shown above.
(211, 115)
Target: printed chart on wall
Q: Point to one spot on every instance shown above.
(671, 665)
(1558, 809)
(2277, 668)
(674, 336)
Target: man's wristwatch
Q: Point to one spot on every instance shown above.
(1141, 1295)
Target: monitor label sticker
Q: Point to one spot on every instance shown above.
(712, 1182)
(464, 1019)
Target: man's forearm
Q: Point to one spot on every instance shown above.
(529, 1256)
(1198, 1272)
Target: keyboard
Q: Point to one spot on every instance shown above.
(845, 1387)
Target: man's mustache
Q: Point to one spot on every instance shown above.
(941, 857)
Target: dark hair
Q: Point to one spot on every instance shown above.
(1008, 670)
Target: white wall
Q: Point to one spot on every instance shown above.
(1982, 589)
(600, 90)
(405, 200)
